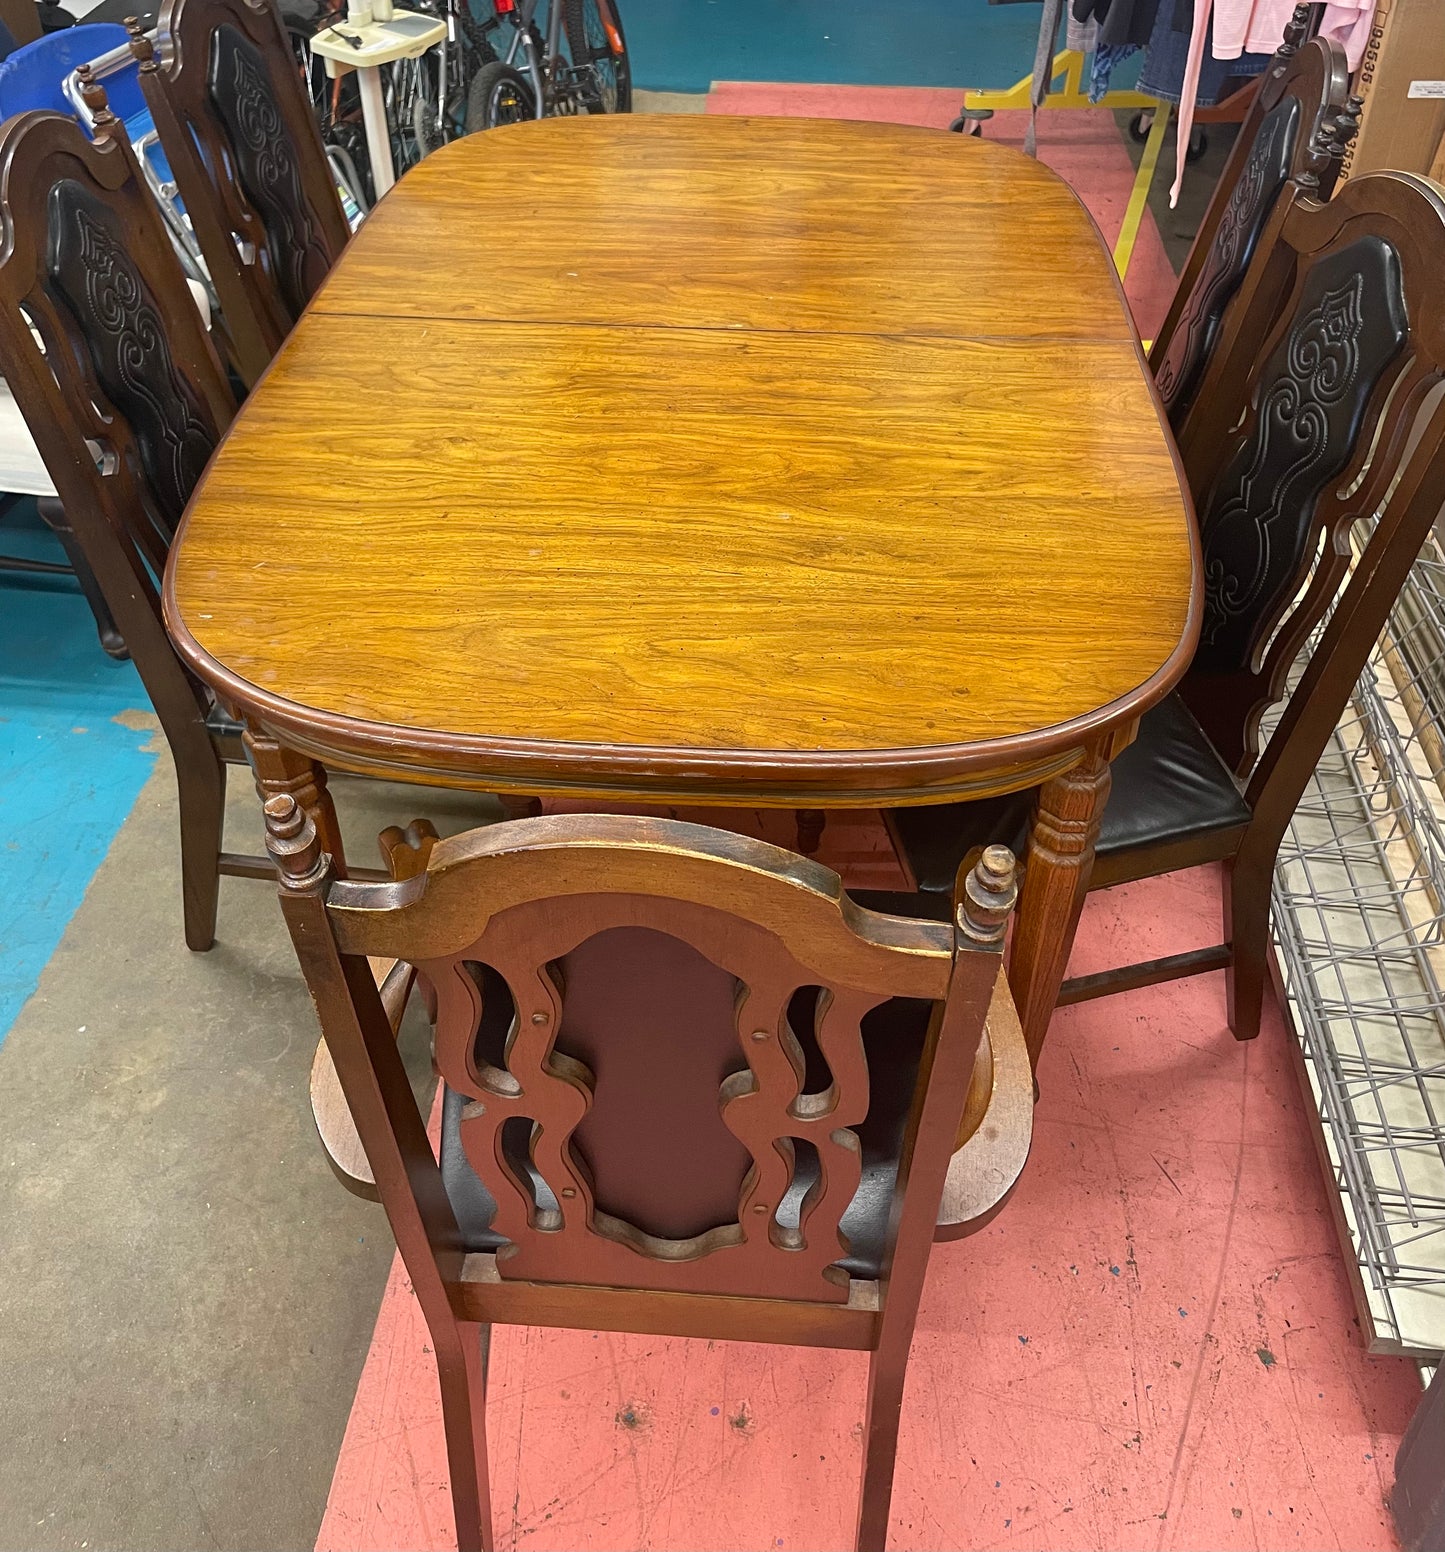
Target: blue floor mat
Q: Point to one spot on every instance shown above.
(69, 773)
(686, 45)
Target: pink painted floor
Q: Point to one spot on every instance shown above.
(1153, 1346)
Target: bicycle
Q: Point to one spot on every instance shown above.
(527, 59)
(520, 63)
(532, 76)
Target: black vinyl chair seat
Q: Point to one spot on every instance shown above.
(1169, 788)
(893, 1037)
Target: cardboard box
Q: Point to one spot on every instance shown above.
(1402, 79)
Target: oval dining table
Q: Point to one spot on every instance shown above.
(709, 460)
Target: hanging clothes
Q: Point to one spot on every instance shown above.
(1080, 37)
(1121, 22)
(1167, 58)
(1102, 63)
(1258, 25)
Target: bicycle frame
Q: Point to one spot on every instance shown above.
(523, 41)
(543, 72)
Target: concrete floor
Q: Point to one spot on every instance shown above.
(188, 1294)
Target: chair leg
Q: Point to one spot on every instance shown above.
(111, 639)
(1246, 930)
(515, 807)
(887, 1369)
(201, 787)
(810, 829)
(461, 1368)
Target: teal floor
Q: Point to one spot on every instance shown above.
(69, 770)
(686, 45)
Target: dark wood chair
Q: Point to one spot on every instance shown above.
(126, 398)
(691, 1088)
(247, 156)
(1303, 92)
(1299, 450)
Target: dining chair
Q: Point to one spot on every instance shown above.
(118, 380)
(1315, 487)
(233, 119)
(690, 1089)
(1303, 92)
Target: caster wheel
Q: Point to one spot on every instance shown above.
(1198, 145)
(1139, 126)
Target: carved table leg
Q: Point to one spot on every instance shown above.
(278, 769)
(1056, 879)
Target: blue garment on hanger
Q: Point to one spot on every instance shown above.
(1167, 53)
(1103, 62)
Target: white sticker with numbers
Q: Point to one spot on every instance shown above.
(1426, 89)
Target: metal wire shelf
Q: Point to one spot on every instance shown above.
(1360, 932)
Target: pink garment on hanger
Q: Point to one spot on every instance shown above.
(1258, 27)
(1187, 91)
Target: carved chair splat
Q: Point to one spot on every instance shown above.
(761, 925)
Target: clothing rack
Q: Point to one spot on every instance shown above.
(1067, 69)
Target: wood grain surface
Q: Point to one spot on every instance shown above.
(737, 223)
(765, 460)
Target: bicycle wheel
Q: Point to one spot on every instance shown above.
(410, 112)
(498, 95)
(594, 37)
(428, 116)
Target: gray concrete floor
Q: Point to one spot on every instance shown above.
(1178, 226)
(187, 1293)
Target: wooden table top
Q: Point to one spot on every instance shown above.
(739, 459)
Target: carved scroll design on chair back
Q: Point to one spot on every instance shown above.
(246, 152)
(106, 353)
(1250, 203)
(1301, 431)
(240, 87)
(1309, 409)
(117, 313)
(716, 992)
(636, 1054)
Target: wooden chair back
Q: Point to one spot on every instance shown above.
(224, 90)
(110, 363)
(1303, 92)
(1315, 482)
(623, 1004)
